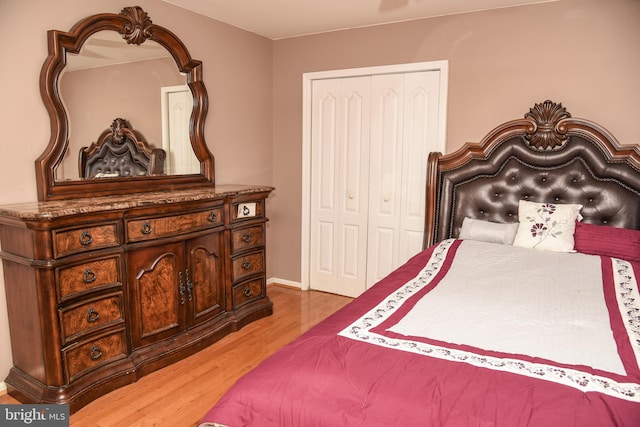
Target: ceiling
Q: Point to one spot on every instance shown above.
(277, 19)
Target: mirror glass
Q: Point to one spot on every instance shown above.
(110, 78)
(122, 66)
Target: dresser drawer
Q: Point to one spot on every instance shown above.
(248, 209)
(247, 238)
(245, 265)
(87, 355)
(153, 228)
(248, 291)
(71, 241)
(89, 316)
(81, 278)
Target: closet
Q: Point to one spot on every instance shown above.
(370, 138)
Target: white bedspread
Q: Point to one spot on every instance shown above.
(533, 313)
(522, 301)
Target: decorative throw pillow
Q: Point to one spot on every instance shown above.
(610, 241)
(486, 231)
(546, 226)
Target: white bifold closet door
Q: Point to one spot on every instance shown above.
(370, 138)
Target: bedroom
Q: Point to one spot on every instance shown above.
(576, 52)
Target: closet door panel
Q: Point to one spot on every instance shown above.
(386, 159)
(420, 131)
(339, 182)
(324, 173)
(354, 179)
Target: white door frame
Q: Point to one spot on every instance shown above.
(307, 83)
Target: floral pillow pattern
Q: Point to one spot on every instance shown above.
(547, 226)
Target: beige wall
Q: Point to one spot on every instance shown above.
(583, 53)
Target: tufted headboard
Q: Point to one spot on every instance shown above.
(545, 157)
(120, 152)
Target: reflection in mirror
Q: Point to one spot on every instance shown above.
(177, 103)
(115, 93)
(109, 78)
(121, 152)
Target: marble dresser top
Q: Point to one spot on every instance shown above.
(59, 208)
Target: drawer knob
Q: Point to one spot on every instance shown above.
(85, 238)
(88, 276)
(246, 238)
(146, 228)
(247, 291)
(246, 265)
(92, 315)
(213, 217)
(95, 353)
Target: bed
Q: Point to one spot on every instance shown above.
(120, 151)
(522, 310)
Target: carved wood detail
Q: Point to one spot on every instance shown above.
(138, 26)
(548, 132)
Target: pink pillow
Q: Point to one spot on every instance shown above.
(609, 241)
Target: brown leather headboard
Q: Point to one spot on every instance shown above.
(120, 152)
(545, 157)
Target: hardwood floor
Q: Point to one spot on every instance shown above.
(180, 394)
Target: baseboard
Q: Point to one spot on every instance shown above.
(3, 388)
(284, 282)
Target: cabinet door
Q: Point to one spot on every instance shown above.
(156, 297)
(205, 279)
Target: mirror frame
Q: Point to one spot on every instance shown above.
(135, 26)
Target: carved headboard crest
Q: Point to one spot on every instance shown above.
(117, 127)
(548, 132)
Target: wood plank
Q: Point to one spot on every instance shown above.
(180, 394)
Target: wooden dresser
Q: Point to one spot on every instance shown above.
(103, 291)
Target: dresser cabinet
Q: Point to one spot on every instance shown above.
(175, 285)
(136, 259)
(103, 291)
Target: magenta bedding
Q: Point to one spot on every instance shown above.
(371, 364)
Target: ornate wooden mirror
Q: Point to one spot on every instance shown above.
(77, 56)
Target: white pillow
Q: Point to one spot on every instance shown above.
(486, 231)
(547, 226)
